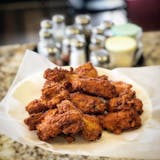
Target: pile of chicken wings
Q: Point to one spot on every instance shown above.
(80, 102)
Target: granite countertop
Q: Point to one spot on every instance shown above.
(10, 58)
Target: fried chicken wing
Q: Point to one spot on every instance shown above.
(123, 88)
(91, 130)
(54, 124)
(122, 103)
(98, 87)
(88, 104)
(86, 70)
(36, 106)
(118, 122)
(33, 120)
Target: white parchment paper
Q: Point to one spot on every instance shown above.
(142, 143)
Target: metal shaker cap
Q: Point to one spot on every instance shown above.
(73, 30)
(46, 24)
(77, 43)
(107, 24)
(97, 40)
(52, 51)
(58, 18)
(98, 30)
(45, 34)
(82, 19)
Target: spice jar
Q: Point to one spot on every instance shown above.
(58, 27)
(77, 56)
(98, 55)
(121, 51)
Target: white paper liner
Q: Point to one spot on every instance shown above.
(140, 143)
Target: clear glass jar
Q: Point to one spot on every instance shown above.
(84, 21)
(98, 55)
(46, 41)
(58, 27)
(106, 26)
(100, 58)
(77, 56)
(97, 41)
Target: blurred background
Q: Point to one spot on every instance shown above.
(20, 19)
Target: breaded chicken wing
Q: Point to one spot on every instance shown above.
(98, 87)
(118, 122)
(88, 104)
(36, 106)
(54, 124)
(33, 120)
(91, 129)
(86, 70)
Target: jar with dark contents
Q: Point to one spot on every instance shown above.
(54, 56)
(66, 49)
(84, 21)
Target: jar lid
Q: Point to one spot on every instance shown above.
(73, 30)
(97, 40)
(121, 44)
(82, 19)
(58, 18)
(98, 30)
(127, 29)
(52, 51)
(106, 24)
(46, 24)
(77, 43)
(45, 34)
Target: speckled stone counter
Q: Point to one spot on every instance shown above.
(10, 58)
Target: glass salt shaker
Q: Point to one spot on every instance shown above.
(84, 21)
(46, 40)
(77, 56)
(98, 55)
(58, 27)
